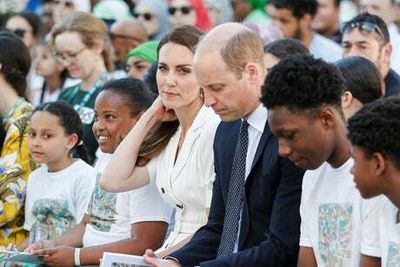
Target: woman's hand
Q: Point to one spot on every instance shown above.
(161, 112)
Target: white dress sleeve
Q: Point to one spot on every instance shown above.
(370, 238)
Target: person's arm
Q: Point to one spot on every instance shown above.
(368, 261)
(306, 257)
(143, 235)
(121, 173)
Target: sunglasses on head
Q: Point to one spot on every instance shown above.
(184, 10)
(146, 16)
(362, 26)
(65, 3)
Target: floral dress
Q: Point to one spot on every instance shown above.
(15, 167)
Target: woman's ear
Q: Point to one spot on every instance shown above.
(72, 141)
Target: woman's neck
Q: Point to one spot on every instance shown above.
(8, 98)
(89, 81)
(60, 165)
(187, 114)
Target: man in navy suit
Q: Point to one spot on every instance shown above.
(229, 66)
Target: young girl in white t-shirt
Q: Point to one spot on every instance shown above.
(58, 192)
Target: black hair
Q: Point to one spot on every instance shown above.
(15, 60)
(336, 3)
(150, 78)
(298, 7)
(134, 92)
(301, 83)
(377, 21)
(376, 128)
(284, 47)
(71, 122)
(33, 20)
(361, 77)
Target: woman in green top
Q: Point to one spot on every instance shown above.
(81, 42)
(15, 161)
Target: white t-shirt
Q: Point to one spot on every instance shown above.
(113, 213)
(381, 233)
(331, 215)
(60, 197)
(324, 48)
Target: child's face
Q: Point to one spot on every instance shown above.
(47, 140)
(46, 66)
(306, 140)
(365, 173)
(113, 120)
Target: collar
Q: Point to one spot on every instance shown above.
(258, 118)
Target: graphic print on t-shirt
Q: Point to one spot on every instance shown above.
(335, 232)
(86, 114)
(393, 257)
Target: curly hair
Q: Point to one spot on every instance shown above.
(301, 82)
(376, 128)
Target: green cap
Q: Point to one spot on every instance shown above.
(146, 51)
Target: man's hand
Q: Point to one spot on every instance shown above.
(151, 258)
(58, 256)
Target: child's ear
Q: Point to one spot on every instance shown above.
(380, 163)
(72, 141)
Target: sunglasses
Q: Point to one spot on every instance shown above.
(183, 9)
(146, 16)
(65, 3)
(362, 26)
(19, 32)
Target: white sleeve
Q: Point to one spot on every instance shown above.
(206, 158)
(305, 226)
(29, 218)
(370, 238)
(152, 169)
(146, 204)
(84, 188)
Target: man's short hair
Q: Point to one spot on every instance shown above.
(298, 7)
(243, 47)
(379, 26)
(284, 47)
(376, 128)
(302, 83)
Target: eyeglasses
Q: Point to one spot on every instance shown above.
(62, 57)
(362, 26)
(19, 32)
(65, 3)
(122, 36)
(183, 9)
(146, 16)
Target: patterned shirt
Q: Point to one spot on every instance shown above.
(15, 167)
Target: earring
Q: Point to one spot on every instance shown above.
(201, 93)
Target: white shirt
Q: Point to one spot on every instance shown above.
(66, 192)
(330, 212)
(113, 213)
(324, 48)
(381, 233)
(187, 183)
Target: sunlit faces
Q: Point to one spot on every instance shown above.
(47, 140)
(182, 13)
(365, 173)
(176, 81)
(22, 28)
(326, 17)
(367, 45)
(62, 9)
(284, 19)
(303, 138)
(113, 120)
(79, 59)
(381, 8)
(136, 67)
(229, 95)
(45, 64)
(149, 20)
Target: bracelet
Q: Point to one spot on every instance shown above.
(171, 258)
(77, 257)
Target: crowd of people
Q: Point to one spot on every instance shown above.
(201, 132)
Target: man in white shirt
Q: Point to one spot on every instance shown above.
(293, 18)
(303, 98)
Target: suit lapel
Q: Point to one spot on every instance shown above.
(261, 145)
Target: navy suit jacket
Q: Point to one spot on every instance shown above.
(270, 225)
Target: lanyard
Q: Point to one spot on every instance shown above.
(13, 109)
(101, 81)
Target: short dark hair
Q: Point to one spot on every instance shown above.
(362, 78)
(377, 21)
(336, 3)
(298, 7)
(135, 93)
(16, 61)
(376, 128)
(301, 82)
(284, 47)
